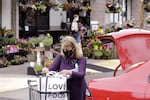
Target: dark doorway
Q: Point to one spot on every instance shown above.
(30, 21)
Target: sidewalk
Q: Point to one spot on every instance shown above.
(108, 63)
(15, 77)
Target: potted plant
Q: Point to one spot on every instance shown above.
(2, 51)
(2, 31)
(17, 60)
(96, 44)
(3, 62)
(107, 50)
(33, 42)
(113, 7)
(8, 33)
(148, 20)
(47, 42)
(87, 51)
(23, 44)
(147, 7)
(38, 69)
(97, 54)
(48, 62)
(11, 40)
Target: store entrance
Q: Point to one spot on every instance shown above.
(30, 21)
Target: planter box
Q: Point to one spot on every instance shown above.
(30, 71)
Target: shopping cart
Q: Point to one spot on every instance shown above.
(36, 93)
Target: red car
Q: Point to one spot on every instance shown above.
(133, 47)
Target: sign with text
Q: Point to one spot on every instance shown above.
(55, 96)
(53, 88)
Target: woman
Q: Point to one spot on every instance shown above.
(75, 28)
(71, 62)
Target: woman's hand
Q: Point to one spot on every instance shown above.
(66, 72)
(45, 70)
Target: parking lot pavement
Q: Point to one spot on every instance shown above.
(106, 63)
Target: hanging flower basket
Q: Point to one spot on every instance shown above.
(148, 20)
(147, 7)
(33, 6)
(39, 5)
(113, 7)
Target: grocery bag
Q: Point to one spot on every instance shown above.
(53, 86)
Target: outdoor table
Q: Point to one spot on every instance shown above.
(38, 51)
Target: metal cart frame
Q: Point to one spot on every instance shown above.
(35, 94)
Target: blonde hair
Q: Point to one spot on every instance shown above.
(70, 41)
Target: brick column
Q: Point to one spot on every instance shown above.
(15, 17)
(0, 12)
(98, 11)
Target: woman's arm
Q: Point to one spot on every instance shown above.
(56, 63)
(81, 69)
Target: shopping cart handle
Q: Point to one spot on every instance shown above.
(29, 81)
(51, 73)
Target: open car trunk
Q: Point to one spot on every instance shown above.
(133, 46)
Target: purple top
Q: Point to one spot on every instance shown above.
(76, 84)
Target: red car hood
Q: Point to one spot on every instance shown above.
(133, 46)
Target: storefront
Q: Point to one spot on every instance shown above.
(9, 15)
(12, 18)
(55, 19)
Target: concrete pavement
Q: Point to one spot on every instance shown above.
(15, 77)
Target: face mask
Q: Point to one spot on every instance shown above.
(67, 53)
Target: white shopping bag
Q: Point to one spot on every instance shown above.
(54, 83)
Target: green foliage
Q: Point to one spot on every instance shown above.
(148, 20)
(147, 7)
(98, 53)
(87, 52)
(12, 40)
(107, 53)
(23, 45)
(39, 6)
(2, 30)
(7, 41)
(34, 42)
(48, 40)
(38, 68)
(108, 30)
(2, 50)
(17, 60)
(113, 7)
(3, 62)
(8, 31)
(5, 32)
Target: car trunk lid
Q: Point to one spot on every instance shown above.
(133, 46)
